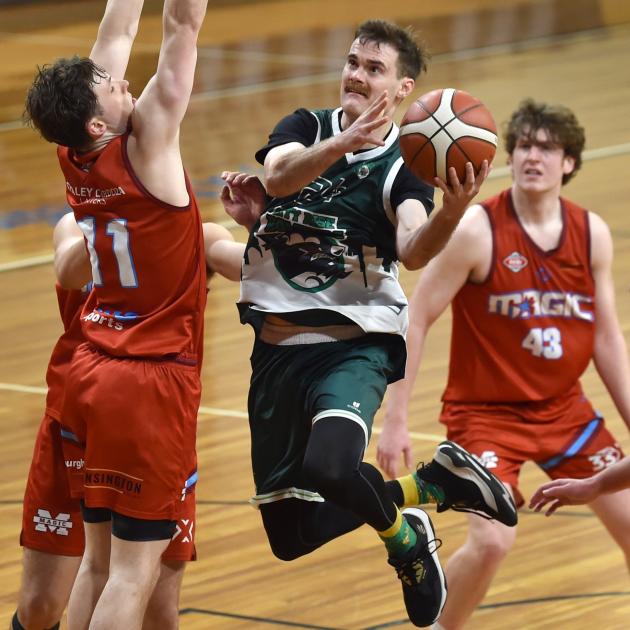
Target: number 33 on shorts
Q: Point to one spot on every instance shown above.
(604, 458)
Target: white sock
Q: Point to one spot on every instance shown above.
(437, 626)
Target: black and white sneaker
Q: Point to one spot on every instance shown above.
(419, 570)
(468, 486)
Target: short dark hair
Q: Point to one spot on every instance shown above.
(412, 55)
(560, 123)
(61, 100)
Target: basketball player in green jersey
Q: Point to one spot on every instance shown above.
(320, 288)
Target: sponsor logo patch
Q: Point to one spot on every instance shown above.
(515, 262)
(45, 522)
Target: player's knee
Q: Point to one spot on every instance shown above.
(324, 478)
(161, 614)
(285, 543)
(494, 544)
(286, 550)
(40, 610)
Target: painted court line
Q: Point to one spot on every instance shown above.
(208, 411)
(23, 389)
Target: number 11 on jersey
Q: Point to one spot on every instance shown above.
(117, 230)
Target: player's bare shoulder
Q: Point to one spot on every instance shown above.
(600, 240)
(474, 226)
(473, 241)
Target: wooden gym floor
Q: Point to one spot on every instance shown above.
(259, 60)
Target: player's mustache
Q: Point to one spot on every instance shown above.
(355, 86)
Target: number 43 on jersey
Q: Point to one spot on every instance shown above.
(544, 342)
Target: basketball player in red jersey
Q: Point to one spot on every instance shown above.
(52, 529)
(528, 276)
(133, 389)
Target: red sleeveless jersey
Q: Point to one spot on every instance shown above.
(527, 332)
(70, 306)
(148, 266)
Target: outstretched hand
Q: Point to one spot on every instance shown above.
(391, 444)
(559, 492)
(243, 197)
(457, 194)
(361, 131)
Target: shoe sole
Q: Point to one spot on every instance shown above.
(463, 465)
(428, 526)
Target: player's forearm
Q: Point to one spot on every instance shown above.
(116, 34)
(225, 257)
(613, 478)
(120, 20)
(399, 393)
(417, 248)
(187, 14)
(292, 171)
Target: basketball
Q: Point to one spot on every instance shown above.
(445, 128)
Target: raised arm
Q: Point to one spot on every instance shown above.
(438, 284)
(153, 146)
(72, 261)
(116, 35)
(163, 103)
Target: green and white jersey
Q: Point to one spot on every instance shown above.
(332, 246)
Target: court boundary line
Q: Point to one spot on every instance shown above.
(203, 410)
(517, 602)
(267, 620)
(399, 622)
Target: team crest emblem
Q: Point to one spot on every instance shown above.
(515, 262)
(308, 249)
(363, 171)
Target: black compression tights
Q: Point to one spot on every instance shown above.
(355, 493)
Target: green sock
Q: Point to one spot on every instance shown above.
(399, 538)
(428, 492)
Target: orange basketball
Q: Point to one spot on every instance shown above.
(445, 128)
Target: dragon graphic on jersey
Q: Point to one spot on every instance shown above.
(307, 248)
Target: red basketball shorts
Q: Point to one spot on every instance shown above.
(51, 518)
(128, 430)
(565, 437)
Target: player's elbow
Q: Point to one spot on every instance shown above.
(183, 18)
(276, 185)
(72, 265)
(72, 278)
(414, 259)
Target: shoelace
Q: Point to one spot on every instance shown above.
(408, 569)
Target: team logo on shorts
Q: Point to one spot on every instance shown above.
(489, 459)
(515, 262)
(184, 530)
(44, 522)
